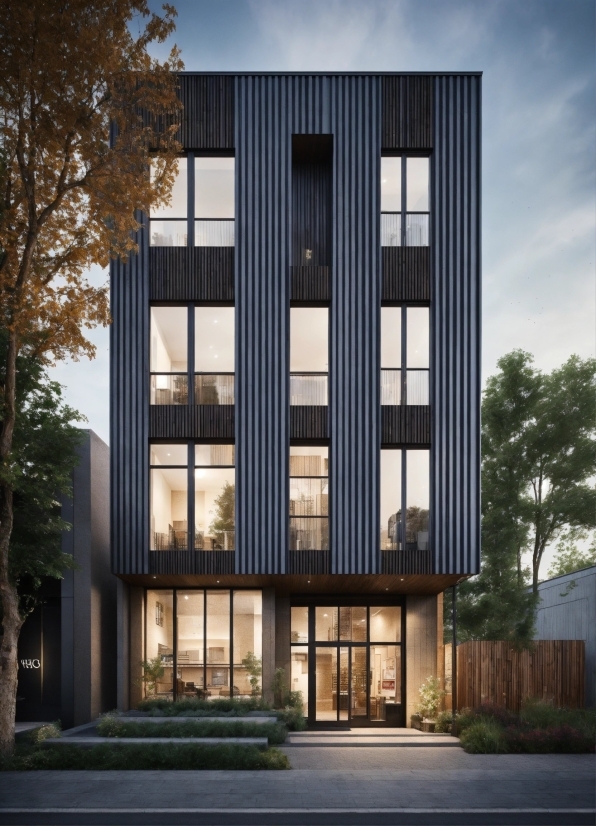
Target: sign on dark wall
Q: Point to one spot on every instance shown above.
(39, 683)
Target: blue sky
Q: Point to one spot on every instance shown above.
(538, 141)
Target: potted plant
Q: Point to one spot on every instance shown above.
(431, 694)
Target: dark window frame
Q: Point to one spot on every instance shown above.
(404, 212)
(319, 444)
(404, 494)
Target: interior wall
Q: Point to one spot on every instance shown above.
(421, 647)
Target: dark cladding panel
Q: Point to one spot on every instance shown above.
(407, 424)
(191, 273)
(407, 112)
(129, 415)
(309, 422)
(354, 368)
(208, 114)
(406, 273)
(455, 325)
(200, 421)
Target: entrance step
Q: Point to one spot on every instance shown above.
(367, 738)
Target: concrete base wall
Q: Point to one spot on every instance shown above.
(421, 647)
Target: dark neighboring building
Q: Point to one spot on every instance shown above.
(67, 662)
(295, 373)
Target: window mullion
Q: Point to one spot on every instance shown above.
(190, 204)
(404, 203)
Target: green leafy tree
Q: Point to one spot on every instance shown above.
(569, 558)
(225, 513)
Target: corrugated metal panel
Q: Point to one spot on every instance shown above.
(191, 562)
(208, 114)
(310, 284)
(191, 273)
(407, 112)
(309, 422)
(201, 421)
(407, 424)
(406, 562)
(455, 325)
(406, 273)
(354, 416)
(309, 562)
(129, 418)
(311, 212)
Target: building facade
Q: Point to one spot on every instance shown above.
(296, 391)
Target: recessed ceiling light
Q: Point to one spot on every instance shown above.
(386, 589)
(186, 596)
(402, 579)
(309, 581)
(218, 581)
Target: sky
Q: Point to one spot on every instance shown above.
(539, 129)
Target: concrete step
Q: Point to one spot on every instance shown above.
(88, 742)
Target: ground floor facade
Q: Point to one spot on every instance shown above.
(357, 657)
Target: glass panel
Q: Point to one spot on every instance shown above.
(299, 673)
(385, 624)
(214, 187)
(352, 623)
(390, 387)
(248, 643)
(212, 389)
(215, 508)
(208, 455)
(168, 233)
(309, 461)
(390, 184)
(308, 390)
(218, 643)
(178, 206)
(160, 643)
(309, 497)
(309, 533)
(344, 685)
(309, 339)
(214, 233)
(191, 638)
(418, 337)
(359, 675)
(417, 170)
(325, 624)
(391, 337)
(416, 230)
(169, 389)
(417, 492)
(299, 624)
(390, 500)
(326, 682)
(385, 679)
(214, 339)
(169, 509)
(417, 387)
(169, 340)
(169, 455)
(391, 229)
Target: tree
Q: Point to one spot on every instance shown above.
(569, 558)
(83, 104)
(537, 458)
(225, 517)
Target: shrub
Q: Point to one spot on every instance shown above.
(293, 718)
(430, 697)
(275, 732)
(541, 715)
(499, 714)
(45, 732)
(553, 740)
(465, 719)
(483, 737)
(444, 721)
(215, 707)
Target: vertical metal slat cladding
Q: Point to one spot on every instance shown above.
(129, 414)
(455, 324)
(407, 112)
(207, 119)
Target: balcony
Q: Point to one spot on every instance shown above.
(169, 388)
(309, 533)
(308, 389)
(219, 541)
(214, 388)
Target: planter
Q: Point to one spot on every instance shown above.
(416, 721)
(428, 725)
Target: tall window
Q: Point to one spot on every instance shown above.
(404, 201)
(309, 355)
(405, 500)
(309, 498)
(169, 497)
(404, 355)
(214, 498)
(201, 343)
(201, 209)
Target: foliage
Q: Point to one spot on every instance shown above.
(216, 706)
(557, 740)
(45, 732)
(537, 459)
(483, 737)
(430, 693)
(279, 687)
(293, 716)
(254, 666)
(568, 557)
(156, 756)
(83, 104)
(152, 671)
(225, 513)
(444, 721)
(275, 732)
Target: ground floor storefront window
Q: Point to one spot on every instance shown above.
(203, 642)
(347, 662)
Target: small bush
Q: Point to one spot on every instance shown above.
(483, 737)
(216, 708)
(499, 714)
(553, 740)
(275, 732)
(293, 718)
(45, 732)
(541, 715)
(444, 721)
(167, 756)
(465, 719)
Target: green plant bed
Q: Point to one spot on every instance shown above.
(291, 716)
(168, 756)
(110, 726)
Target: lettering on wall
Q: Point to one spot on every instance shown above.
(30, 663)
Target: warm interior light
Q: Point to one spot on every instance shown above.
(199, 473)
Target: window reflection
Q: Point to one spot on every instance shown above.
(417, 499)
(390, 538)
(215, 498)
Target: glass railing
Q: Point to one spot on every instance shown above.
(415, 233)
(391, 229)
(417, 229)
(172, 540)
(214, 388)
(416, 389)
(216, 541)
(168, 233)
(214, 233)
(309, 533)
(390, 387)
(169, 388)
(308, 389)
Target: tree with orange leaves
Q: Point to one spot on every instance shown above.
(82, 107)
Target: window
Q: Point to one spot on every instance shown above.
(201, 209)
(404, 201)
(218, 638)
(309, 355)
(405, 489)
(404, 355)
(214, 498)
(169, 497)
(309, 498)
(202, 342)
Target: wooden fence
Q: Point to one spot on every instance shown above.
(496, 672)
